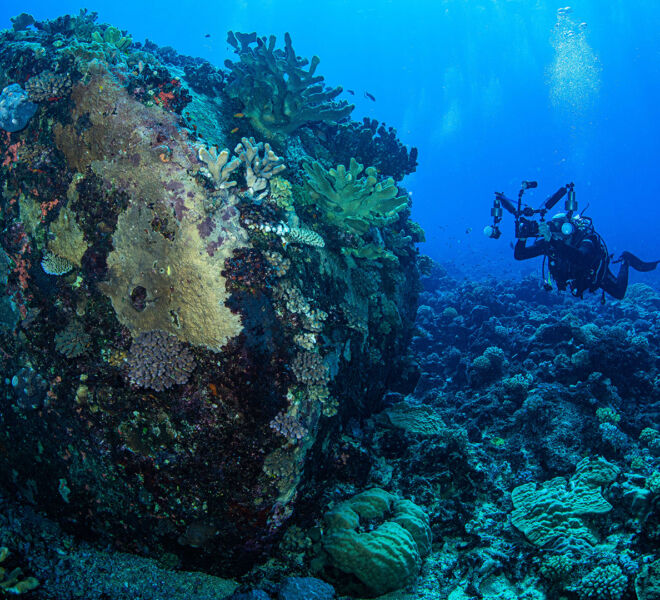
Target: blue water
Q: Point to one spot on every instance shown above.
(491, 92)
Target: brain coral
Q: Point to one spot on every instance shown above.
(384, 557)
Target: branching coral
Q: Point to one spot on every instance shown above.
(48, 86)
(277, 93)
(261, 163)
(219, 165)
(157, 360)
(353, 201)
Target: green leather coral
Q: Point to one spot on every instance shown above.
(351, 200)
(113, 37)
(379, 538)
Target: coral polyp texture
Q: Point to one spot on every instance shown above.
(157, 360)
(179, 326)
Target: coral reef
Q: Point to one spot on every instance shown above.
(166, 393)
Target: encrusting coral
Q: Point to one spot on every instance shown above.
(553, 514)
(69, 241)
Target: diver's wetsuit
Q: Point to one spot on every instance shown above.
(580, 265)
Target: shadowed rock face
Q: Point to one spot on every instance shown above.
(265, 340)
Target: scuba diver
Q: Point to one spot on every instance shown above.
(576, 254)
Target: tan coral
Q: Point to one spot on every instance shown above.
(168, 279)
(69, 241)
(219, 165)
(185, 292)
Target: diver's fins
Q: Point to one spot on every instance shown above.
(637, 264)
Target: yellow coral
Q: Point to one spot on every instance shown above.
(174, 274)
(183, 286)
(12, 582)
(69, 241)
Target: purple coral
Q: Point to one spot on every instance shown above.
(309, 369)
(157, 360)
(288, 426)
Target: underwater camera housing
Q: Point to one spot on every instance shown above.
(527, 219)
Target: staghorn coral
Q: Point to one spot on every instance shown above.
(261, 163)
(277, 93)
(157, 360)
(353, 201)
(48, 86)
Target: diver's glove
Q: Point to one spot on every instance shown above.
(544, 231)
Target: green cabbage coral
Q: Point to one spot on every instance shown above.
(113, 37)
(378, 538)
(353, 201)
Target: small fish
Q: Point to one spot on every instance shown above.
(370, 96)
(351, 92)
(234, 130)
(239, 115)
(468, 230)
(208, 35)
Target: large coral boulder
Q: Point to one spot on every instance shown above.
(374, 542)
(183, 322)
